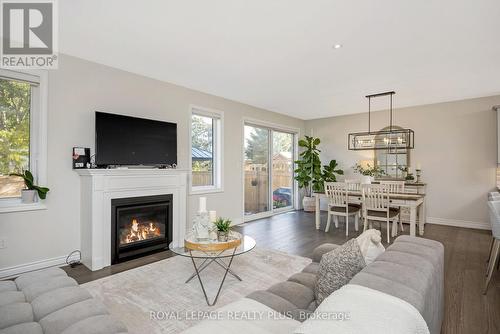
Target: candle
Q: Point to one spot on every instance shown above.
(419, 166)
(202, 206)
(212, 216)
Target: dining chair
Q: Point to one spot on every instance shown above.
(376, 206)
(494, 211)
(494, 196)
(353, 184)
(396, 187)
(338, 205)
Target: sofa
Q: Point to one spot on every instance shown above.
(411, 269)
(50, 302)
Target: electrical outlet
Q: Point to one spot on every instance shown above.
(3, 243)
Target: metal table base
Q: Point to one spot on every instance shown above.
(205, 264)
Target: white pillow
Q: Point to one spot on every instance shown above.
(370, 244)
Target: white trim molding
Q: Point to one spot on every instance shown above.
(218, 154)
(14, 271)
(38, 133)
(459, 223)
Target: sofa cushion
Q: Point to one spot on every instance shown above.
(57, 299)
(269, 323)
(8, 286)
(311, 268)
(37, 276)
(24, 328)
(58, 321)
(337, 268)
(9, 297)
(299, 295)
(411, 269)
(14, 314)
(277, 303)
(99, 324)
(306, 279)
(51, 283)
(322, 249)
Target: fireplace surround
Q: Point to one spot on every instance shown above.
(140, 225)
(99, 187)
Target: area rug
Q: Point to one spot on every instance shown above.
(154, 298)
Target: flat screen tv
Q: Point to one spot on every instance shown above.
(131, 141)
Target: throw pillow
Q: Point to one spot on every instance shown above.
(370, 244)
(337, 268)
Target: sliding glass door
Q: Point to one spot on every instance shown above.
(268, 170)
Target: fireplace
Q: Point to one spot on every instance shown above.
(139, 226)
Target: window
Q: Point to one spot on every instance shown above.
(22, 135)
(206, 152)
(269, 154)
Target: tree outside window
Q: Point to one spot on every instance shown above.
(15, 103)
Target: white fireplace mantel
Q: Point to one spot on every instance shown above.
(100, 186)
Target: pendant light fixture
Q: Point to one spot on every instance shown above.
(384, 139)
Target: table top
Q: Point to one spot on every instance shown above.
(403, 196)
(246, 245)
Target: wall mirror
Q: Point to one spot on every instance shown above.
(392, 160)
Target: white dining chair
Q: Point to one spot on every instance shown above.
(353, 184)
(494, 196)
(494, 211)
(395, 187)
(376, 206)
(338, 205)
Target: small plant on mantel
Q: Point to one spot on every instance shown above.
(223, 228)
(28, 194)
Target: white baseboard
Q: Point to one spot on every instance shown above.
(459, 223)
(37, 265)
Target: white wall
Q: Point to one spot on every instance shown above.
(76, 90)
(455, 143)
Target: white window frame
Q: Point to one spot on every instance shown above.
(218, 150)
(38, 134)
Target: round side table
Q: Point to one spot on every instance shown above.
(214, 252)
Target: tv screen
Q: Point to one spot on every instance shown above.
(125, 140)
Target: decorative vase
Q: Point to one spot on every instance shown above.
(367, 179)
(28, 196)
(309, 204)
(201, 226)
(222, 236)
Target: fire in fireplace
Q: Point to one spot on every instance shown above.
(140, 225)
(137, 231)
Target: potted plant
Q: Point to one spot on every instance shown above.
(329, 173)
(369, 172)
(407, 174)
(28, 195)
(223, 227)
(308, 171)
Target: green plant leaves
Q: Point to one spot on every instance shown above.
(29, 182)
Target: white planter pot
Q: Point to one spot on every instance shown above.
(367, 179)
(28, 196)
(309, 204)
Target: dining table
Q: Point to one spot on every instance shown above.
(415, 203)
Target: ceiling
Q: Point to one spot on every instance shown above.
(279, 55)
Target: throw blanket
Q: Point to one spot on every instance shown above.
(355, 309)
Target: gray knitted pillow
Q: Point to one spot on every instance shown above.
(337, 268)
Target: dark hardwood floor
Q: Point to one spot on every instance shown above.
(467, 310)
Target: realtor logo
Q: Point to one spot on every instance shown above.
(28, 33)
